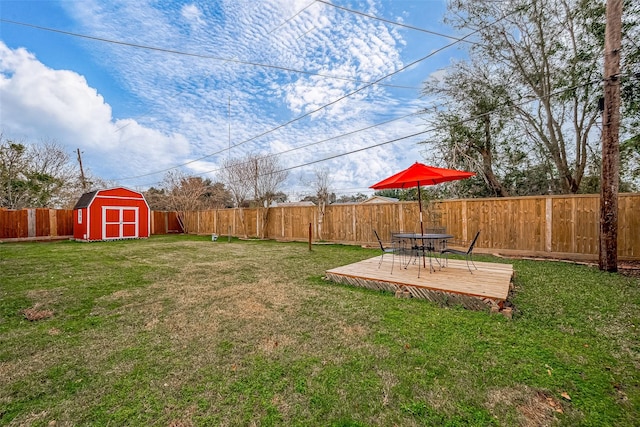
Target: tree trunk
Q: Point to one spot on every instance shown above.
(608, 259)
(242, 222)
(487, 161)
(265, 221)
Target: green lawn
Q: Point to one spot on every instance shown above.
(181, 331)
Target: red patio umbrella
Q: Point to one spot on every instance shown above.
(420, 174)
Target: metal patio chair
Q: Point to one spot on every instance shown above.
(468, 254)
(385, 250)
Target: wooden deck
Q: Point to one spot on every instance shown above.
(452, 285)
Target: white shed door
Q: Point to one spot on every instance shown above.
(119, 222)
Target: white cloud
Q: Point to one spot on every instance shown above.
(192, 14)
(38, 102)
(186, 99)
(60, 100)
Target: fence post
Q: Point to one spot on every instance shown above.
(53, 223)
(31, 223)
(573, 224)
(464, 221)
(309, 236)
(354, 222)
(548, 232)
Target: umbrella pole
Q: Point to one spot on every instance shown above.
(424, 262)
(420, 206)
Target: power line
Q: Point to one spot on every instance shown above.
(432, 53)
(398, 24)
(198, 55)
(358, 150)
(291, 149)
(507, 103)
(296, 14)
(326, 105)
(322, 141)
(457, 40)
(331, 138)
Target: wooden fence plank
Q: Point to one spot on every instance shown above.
(53, 223)
(64, 222)
(42, 223)
(535, 224)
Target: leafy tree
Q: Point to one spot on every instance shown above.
(540, 62)
(411, 194)
(216, 196)
(630, 158)
(37, 175)
(14, 193)
(157, 199)
(630, 94)
(351, 198)
(472, 133)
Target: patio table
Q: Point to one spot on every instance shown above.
(429, 243)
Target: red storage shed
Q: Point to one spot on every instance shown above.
(115, 213)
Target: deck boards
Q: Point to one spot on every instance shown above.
(489, 284)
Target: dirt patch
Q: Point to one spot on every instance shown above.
(629, 268)
(535, 407)
(36, 313)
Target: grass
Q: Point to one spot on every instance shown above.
(182, 331)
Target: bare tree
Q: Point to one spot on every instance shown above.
(268, 176)
(237, 178)
(259, 175)
(61, 186)
(321, 186)
(184, 194)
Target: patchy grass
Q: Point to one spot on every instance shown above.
(182, 331)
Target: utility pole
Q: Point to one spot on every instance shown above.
(608, 260)
(83, 180)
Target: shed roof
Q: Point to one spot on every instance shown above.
(85, 199)
(301, 203)
(381, 199)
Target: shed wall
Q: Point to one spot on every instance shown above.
(93, 226)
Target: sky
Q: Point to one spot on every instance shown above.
(145, 87)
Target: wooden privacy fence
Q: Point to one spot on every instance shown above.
(44, 224)
(35, 224)
(163, 222)
(559, 226)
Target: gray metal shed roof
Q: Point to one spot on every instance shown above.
(85, 199)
